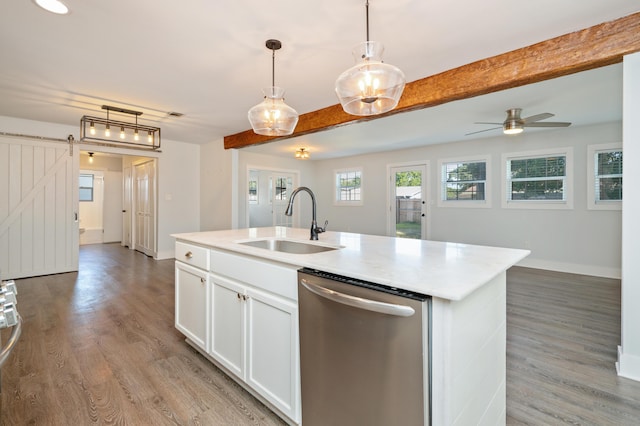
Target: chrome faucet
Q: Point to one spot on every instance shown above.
(315, 229)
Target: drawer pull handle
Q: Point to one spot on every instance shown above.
(188, 255)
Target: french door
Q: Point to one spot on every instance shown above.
(282, 185)
(408, 201)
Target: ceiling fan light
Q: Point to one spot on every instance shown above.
(512, 127)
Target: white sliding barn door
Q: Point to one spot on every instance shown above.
(38, 208)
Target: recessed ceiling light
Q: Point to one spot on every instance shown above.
(53, 6)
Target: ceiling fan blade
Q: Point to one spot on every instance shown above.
(537, 117)
(485, 122)
(485, 130)
(548, 124)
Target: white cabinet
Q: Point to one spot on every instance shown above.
(191, 303)
(192, 293)
(228, 324)
(243, 313)
(272, 350)
(254, 334)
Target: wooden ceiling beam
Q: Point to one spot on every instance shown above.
(590, 48)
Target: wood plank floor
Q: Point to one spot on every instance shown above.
(99, 347)
(562, 337)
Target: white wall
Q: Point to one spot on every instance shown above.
(577, 240)
(629, 351)
(216, 186)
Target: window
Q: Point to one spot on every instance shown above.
(85, 192)
(253, 191)
(282, 184)
(464, 183)
(539, 180)
(605, 176)
(349, 187)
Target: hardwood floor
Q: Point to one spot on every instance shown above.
(562, 337)
(99, 347)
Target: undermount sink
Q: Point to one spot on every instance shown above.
(288, 246)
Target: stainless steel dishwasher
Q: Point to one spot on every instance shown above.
(364, 352)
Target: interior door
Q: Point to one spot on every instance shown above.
(408, 208)
(145, 208)
(38, 208)
(127, 197)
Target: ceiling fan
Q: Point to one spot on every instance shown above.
(515, 124)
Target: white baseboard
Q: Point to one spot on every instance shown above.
(572, 268)
(628, 365)
(165, 254)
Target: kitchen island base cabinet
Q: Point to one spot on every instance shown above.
(272, 350)
(254, 323)
(228, 324)
(254, 336)
(191, 310)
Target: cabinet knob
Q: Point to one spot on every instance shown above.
(202, 280)
(188, 255)
(239, 296)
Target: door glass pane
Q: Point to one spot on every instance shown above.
(282, 190)
(408, 204)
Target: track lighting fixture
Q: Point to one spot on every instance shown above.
(153, 133)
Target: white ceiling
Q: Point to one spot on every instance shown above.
(207, 60)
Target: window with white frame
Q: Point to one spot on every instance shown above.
(464, 183)
(539, 179)
(349, 186)
(85, 191)
(605, 176)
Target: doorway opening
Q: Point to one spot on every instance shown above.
(121, 204)
(267, 195)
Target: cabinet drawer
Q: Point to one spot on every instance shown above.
(272, 277)
(192, 255)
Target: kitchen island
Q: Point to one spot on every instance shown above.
(256, 343)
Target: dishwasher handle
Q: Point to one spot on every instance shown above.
(358, 302)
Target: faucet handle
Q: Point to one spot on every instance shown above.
(324, 228)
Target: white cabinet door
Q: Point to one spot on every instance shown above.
(228, 324)
(191, 303)
(272, 350)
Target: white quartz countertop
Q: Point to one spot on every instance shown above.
(440, 269)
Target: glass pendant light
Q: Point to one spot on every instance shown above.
(272, 117)
(370, 87)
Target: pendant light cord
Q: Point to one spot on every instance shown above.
(367, 9)
(273, 67)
